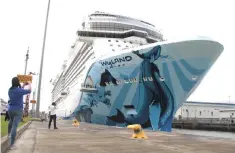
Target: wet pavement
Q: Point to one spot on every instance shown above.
(92, 138)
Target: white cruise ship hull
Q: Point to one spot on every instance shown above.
(142, 86)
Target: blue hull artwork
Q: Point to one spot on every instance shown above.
(137, 88)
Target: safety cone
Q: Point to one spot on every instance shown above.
(138, 131)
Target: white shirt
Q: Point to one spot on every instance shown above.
(52, 110)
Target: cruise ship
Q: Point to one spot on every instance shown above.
(121, 71)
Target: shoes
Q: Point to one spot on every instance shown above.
(13, 147)
(56, 128)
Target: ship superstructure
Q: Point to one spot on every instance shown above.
(120, 71)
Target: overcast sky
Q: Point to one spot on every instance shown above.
(22, 26)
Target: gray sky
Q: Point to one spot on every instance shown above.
(22, 25)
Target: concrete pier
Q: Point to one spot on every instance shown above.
(91, 138)
(205, 124)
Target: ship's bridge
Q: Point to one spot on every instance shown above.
(101, 24)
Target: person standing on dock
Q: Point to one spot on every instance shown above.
(7, 118)
(52, 109)
(15, 109)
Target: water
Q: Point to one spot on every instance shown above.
(214, 134)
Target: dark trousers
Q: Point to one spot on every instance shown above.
(52, 117)
(7, 118)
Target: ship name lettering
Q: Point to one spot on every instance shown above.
(116, 60)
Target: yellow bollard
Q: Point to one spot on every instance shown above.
(138, 131)
(75, 123)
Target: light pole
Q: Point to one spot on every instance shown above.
(27, 96)
(26, 61)
(41, 65)
(34, 92)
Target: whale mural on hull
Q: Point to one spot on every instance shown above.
(130, 90)
(145, 86)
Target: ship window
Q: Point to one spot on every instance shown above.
(124, 41)
(116, 40)
(113, 50)
(211, 113)
(162, 79)
(200, 113)
(119, 45)
(111, 44)
(109, 40)
(130, 42)
(126, 45)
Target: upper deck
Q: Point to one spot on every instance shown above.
(101, 24)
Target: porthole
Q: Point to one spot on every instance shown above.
(162, 79)
(109, 40)
(194, 78)
(113, 50)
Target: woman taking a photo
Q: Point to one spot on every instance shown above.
(15, 109)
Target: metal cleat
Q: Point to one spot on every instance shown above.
(75, 123)
(138, 131)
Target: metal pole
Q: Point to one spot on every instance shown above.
(26, 61)
(33, 105)
(27, 96)
(41, 66)
(35, 94)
